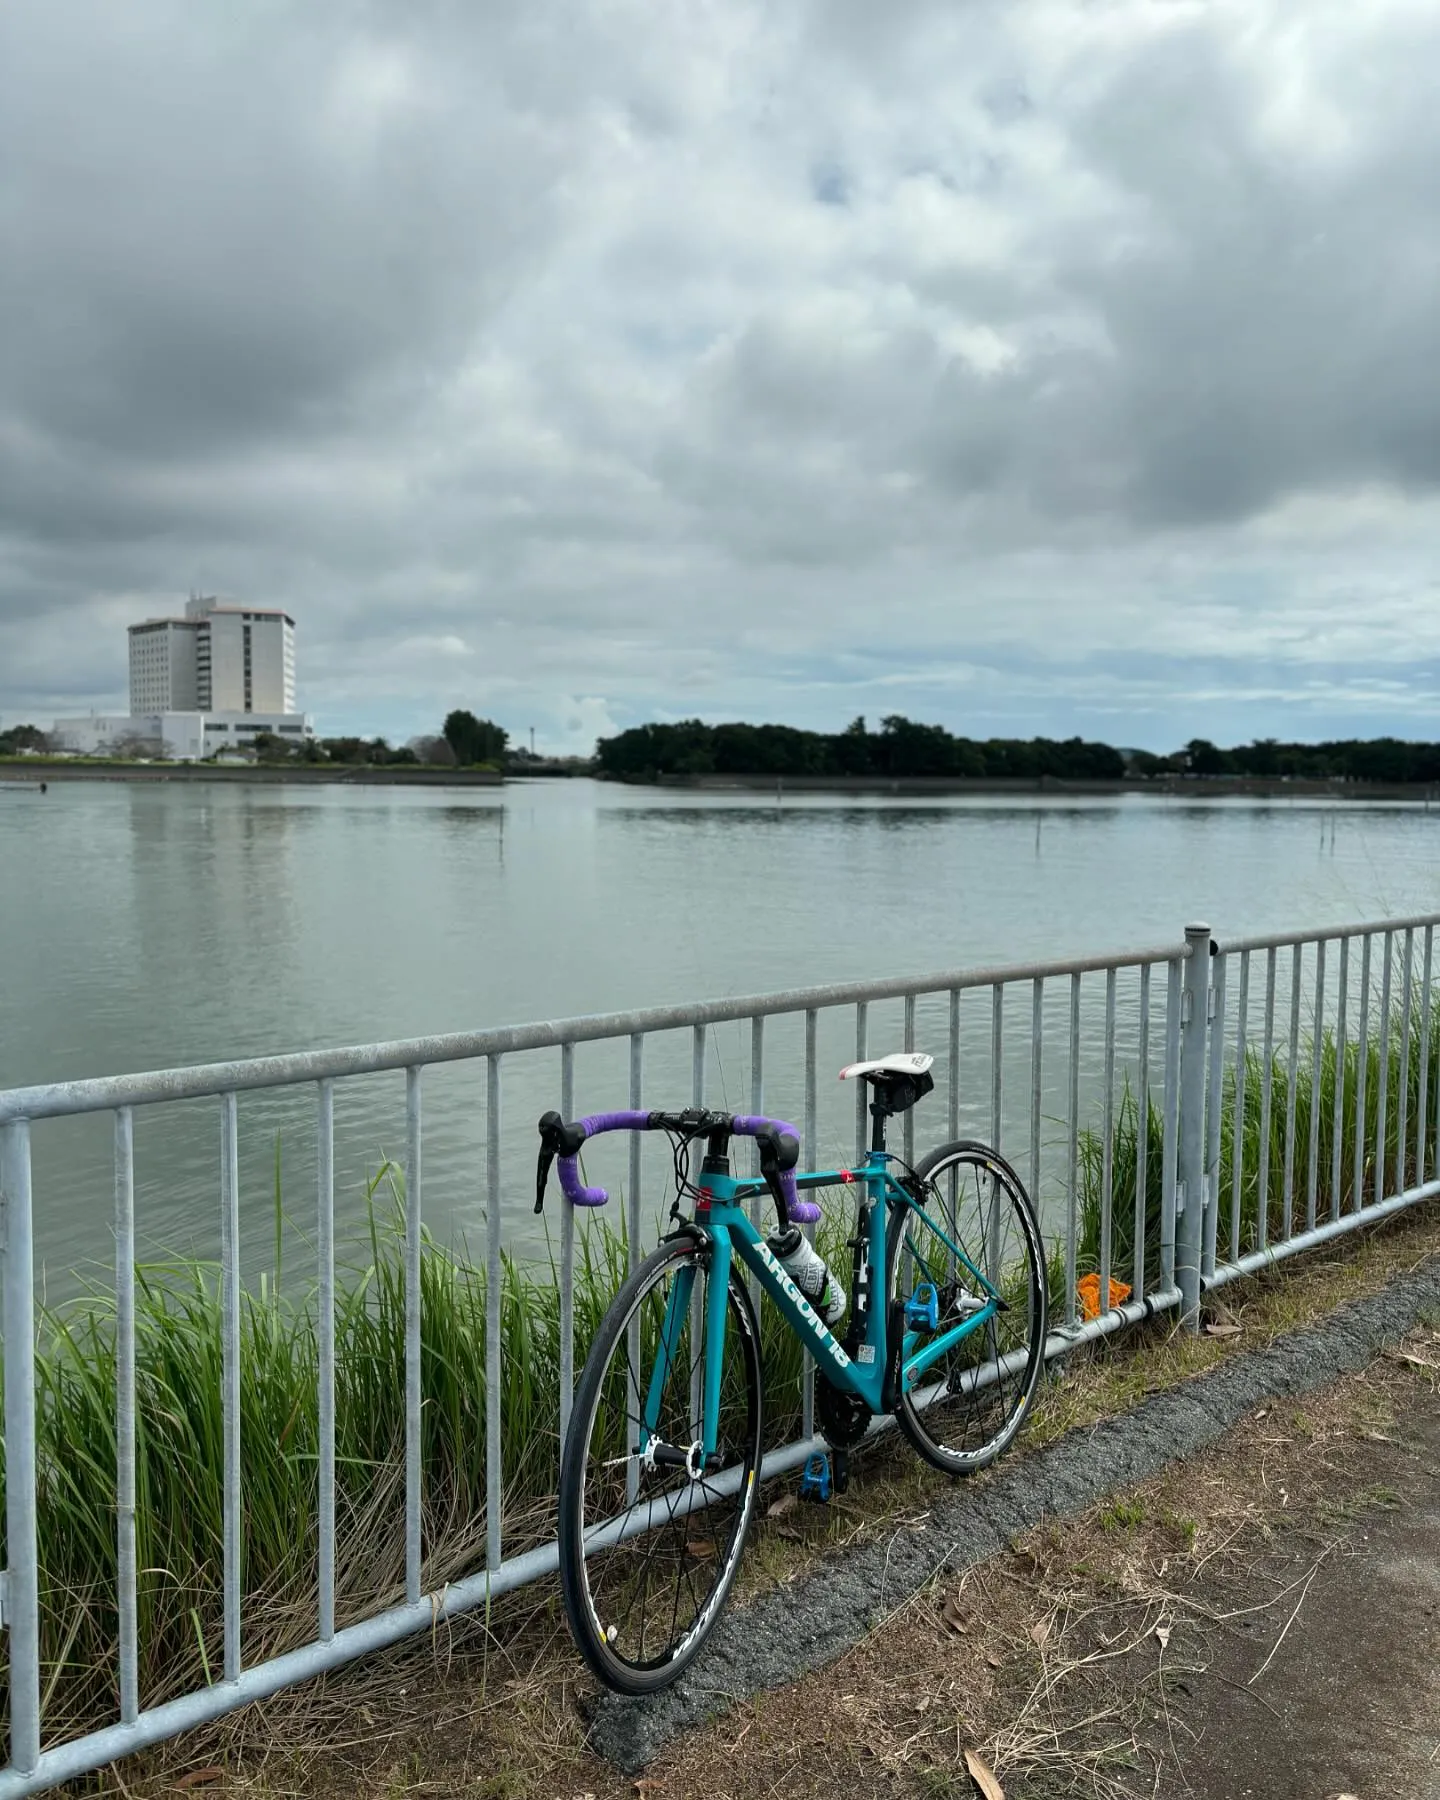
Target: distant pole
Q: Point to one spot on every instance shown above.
(532, 740)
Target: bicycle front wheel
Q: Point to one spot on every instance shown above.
(648, 1549)
(971, 1234)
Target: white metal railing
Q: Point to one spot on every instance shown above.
(1039, 1058)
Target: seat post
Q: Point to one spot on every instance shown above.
(879, 1112)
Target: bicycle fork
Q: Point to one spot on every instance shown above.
(699, 1454)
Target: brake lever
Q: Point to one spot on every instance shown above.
(542, 1177)
(769, 1148)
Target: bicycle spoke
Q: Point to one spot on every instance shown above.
(970, 1225)
(690, 1532)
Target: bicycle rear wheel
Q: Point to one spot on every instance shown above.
(648, 1552)
(967, 1406)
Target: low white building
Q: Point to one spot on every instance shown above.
(238, 730)
(176, 736)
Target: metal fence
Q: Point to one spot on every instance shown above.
(1184, 1115)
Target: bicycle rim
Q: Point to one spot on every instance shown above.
(973, 1231)
(648, 1554)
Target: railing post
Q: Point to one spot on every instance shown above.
(1190, 1175)
(22, 1580)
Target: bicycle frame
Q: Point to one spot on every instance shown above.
(720, 1217)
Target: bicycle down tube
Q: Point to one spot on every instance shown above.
(864, 1374)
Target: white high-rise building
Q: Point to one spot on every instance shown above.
(218, 658)
(215, 680)
(163, 666)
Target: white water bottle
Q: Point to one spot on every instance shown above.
(805, 1266)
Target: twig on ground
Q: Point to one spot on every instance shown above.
(1289, 1622)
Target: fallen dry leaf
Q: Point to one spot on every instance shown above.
(201, 1777)
(700, 1546)
(995, 1660)
(1163, 1633)
(649, 1784)
(953, 1615)
(786, 1503)
(1217, 1329)
(983, 1776)
(1040, 1631)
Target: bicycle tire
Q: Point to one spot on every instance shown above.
(600, 1587)
(988, 1380)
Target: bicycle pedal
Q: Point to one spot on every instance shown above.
(815, 1483)
(922, 1309)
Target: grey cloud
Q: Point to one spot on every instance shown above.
(617, 345)
(1260, 319)
(1269, 336)
(228, 237)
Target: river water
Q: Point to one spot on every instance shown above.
(146, 926)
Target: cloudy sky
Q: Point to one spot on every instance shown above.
(1027, 367)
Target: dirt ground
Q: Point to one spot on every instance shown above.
(1263, 1620)
(1260, 1622)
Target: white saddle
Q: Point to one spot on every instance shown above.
(902, 1062)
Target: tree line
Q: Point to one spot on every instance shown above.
(903, 748)
(899, 748)
(20, 739)
(463, 741)
(1384, 759)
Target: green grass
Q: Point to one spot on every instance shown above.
(1262, 1160)
(179, 1445)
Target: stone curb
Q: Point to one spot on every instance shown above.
(784, 1634)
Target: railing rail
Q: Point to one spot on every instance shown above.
(205, 1080)
(1175, 1142)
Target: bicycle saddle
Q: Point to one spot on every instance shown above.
(899, 1080)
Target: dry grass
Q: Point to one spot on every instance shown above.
(1065, 1664)
(495, 1708)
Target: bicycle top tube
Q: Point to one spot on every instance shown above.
(779, 1143)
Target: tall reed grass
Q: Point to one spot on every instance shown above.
(179, 1445)
(1262, 1147)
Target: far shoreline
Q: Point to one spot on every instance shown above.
(1189, 787)
(33, 770)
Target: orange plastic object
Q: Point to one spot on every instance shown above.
(1088, 1288)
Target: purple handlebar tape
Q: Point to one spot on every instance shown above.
(575, 1191)
(571, 1185)
(804, 1212)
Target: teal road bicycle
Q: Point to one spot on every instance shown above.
(945, 1328)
